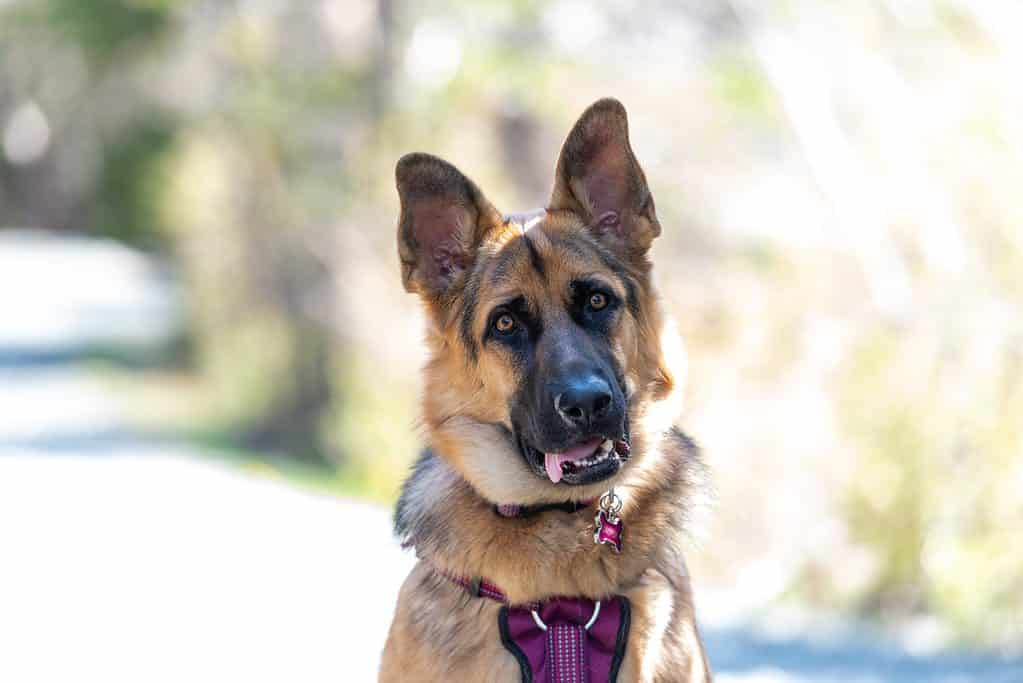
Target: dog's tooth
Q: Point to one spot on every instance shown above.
(600, 454)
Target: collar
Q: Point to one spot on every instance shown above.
(511, 510)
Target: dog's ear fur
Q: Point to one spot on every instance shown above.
(599, 179)
(444, 219)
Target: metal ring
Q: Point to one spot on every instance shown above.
(609, 502)
(538, 620)
(593, 618)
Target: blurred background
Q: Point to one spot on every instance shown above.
(209, 368)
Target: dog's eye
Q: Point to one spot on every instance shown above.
(597, 301)
(504, 323)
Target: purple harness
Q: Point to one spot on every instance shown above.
(562, 640)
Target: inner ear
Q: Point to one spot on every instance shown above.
(444, 219)
(599, 178)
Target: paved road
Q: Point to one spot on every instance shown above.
(125, 560)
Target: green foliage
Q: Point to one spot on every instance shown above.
(740, 82)
(928, 492)
(131, 179)
(105, 27)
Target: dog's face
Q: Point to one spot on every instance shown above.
(544, 330)
(548, 327)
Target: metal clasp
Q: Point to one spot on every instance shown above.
(593, 618)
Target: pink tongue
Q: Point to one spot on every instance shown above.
(552, 461)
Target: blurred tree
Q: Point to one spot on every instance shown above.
(75, 64)
(128, 186)
(103, 29)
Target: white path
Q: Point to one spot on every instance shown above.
(144, 564)
(124, 560)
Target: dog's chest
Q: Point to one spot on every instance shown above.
(464, 638)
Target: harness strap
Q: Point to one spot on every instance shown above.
(477, 587)
(565, 650)
(560, 640)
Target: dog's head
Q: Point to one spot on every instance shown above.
(544, 330)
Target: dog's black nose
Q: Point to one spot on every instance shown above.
(584, 401)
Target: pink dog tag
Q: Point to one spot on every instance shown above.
(609, 525)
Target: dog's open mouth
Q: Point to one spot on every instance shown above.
(587, 462)
(588, 454)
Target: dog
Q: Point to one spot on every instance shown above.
(549, 509)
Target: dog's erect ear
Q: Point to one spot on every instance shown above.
(444, 219)
(599, 179)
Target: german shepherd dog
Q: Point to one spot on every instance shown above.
(548, 509)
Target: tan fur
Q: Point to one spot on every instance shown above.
(440, 633)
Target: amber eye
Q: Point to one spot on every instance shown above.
(598, 301)
(504, 323)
